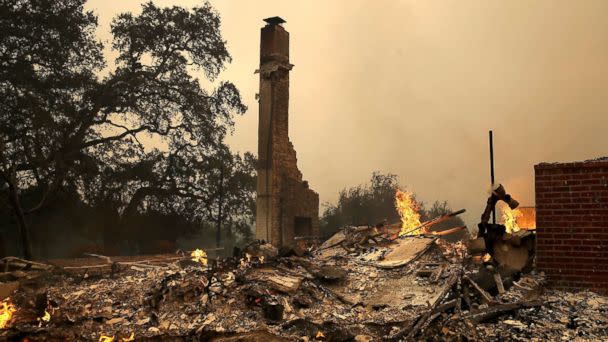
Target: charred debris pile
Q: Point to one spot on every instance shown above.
(363, 284)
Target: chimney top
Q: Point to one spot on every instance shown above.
(274, 20)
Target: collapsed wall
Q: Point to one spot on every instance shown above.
(286, 206)
(572, 223)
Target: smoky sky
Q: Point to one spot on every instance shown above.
(412, 88)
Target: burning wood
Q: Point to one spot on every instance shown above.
(408, 211)
(359, 285)
(7, 309)
(104, 338)
(510, 217)
(448, 231)
(425, 226)
(198, 255)
(498, 194)
(44, 319)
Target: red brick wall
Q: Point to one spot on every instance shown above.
(572, 224)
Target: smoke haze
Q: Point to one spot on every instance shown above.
(412, 87)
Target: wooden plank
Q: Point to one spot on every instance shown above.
(333, 241)
(498, 281)
(447, 231)
(436, 220)
(281, 282)
(485, 296)
(404, 251)
(493, 311)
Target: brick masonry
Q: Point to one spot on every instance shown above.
(286, 206)
(572, 224)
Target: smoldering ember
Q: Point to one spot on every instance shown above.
(415, 274)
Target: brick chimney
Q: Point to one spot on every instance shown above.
(285, 206)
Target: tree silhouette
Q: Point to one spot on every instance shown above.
(63, 125)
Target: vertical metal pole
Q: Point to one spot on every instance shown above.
(492, 173)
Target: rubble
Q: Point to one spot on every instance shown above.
(380, 288)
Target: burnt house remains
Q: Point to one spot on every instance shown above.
(286, 206)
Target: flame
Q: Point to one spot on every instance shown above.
(246, 260)
(509, 217)
(199, 255)
(486, 257)
(104, 338)
(319, 335)
(45, 318)
(7, 309)
(408, 210)
(129, 339)
(527, 220)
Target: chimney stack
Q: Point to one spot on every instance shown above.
(274, 42)
(286, 207)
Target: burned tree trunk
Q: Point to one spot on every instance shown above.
(218, 234)
(21, 223)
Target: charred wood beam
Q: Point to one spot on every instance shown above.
(496, 310)
(498, 281)
(447, 231)
(22, 263)
(437, 274)
(436, 220)
(425, 273)
(466, 296)
(424, 318)
(484, 295)
(423, 322)
(445, 306)
(498, 194)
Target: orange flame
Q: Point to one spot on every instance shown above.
(408, 210)
(509, 217)
(199, 255)
(130, 338)
(527, 220)
(46, 318)
(486, 257)
(7, 309)
(104, 338)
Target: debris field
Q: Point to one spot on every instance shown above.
(379, 287)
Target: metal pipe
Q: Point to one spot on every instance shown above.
(492, 172)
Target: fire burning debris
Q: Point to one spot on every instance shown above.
(7, 309)
(129, 339)
(199, 255)
(510, 218)
(520, 218)
(362, 284)
(486, 257)
(408, 208)
(44, 319)
(379, 292)
(104, 338)
(527, 220)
